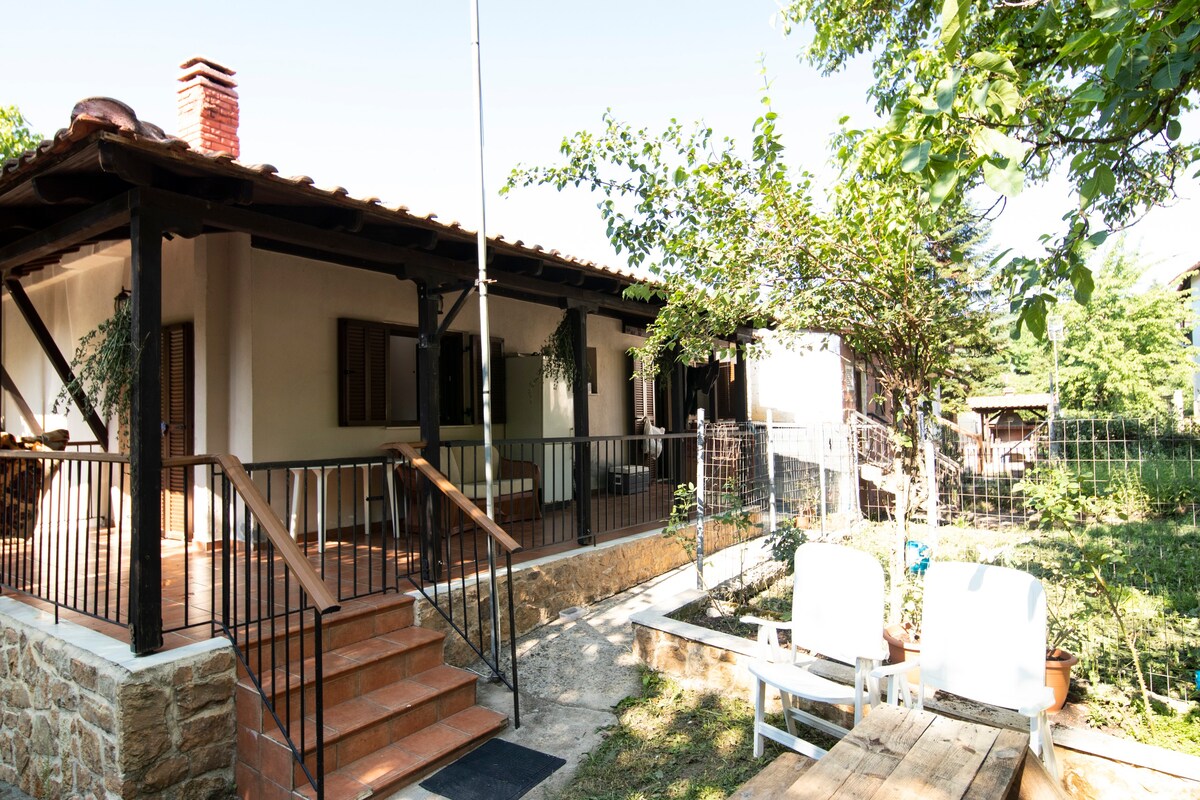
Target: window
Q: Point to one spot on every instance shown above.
(378, 376)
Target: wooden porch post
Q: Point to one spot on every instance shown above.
(741, 382)
(582, 474)
(429, 412)
(145, 433)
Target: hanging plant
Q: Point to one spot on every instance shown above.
(104, 367)
(558, 355)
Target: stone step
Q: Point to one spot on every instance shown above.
(357, 620)
(359, 727)
(397, 765)
(350, 671)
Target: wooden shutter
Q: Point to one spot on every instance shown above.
(178, 416)
(643, 396)
(362, 372)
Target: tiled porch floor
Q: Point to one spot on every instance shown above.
(354, 564)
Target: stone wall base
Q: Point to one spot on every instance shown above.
(83, 717)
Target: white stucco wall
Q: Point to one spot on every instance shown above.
(799, 384)
(265, 328)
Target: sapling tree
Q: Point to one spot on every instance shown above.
(737, 238)
(1058, 498)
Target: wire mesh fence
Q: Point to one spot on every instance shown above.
(1142, 476)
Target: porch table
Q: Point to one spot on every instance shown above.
(905, 753)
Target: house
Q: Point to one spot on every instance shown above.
(283, 335)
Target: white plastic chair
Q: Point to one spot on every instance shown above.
(983, 637)
(837, 612)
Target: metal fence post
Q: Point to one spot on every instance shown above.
(932, 507)
(771, 470)
(821, 476)
(700, 498)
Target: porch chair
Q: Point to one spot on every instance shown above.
(837, 612)
(983, 637)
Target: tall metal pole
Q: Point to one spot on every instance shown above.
(485, 348)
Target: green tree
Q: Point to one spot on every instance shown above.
(15, 136)
(1124, 354)
(735, 240)
(1004, 94)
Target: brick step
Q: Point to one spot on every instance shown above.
(349, 672)
(390, 768)
(357, 620)
(361, 726)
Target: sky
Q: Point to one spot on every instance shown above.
(377, 97)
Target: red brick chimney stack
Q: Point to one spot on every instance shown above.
(208, 107)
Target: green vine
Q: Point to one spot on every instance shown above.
(104, 367)
(558, 355)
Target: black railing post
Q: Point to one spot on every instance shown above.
(582, 473)
(145, 433)
(429, 413)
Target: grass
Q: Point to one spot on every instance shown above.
(672, 744)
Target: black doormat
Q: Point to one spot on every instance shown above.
(496, 770)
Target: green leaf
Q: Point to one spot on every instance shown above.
(1106, 182)
(1004, 176)
(1004, 96)
(944, 91)
(954, 15)
(1088, 93)
(1081, 279)
(993, 62)
(1173, 130)
(680, 176)
(1103, 9)
(947, 178)
(987, 142)
(1113, 62)
(915, 157)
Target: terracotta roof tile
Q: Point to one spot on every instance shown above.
(104, 116)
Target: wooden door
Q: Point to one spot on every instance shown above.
(178, 418)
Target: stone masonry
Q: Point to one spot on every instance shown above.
(83, 717)
(580, 577)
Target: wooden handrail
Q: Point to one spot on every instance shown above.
(293, 556)
(455, 496)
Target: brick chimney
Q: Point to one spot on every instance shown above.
(208, 107)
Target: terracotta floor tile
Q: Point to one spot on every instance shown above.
(353, 714)
(401, 694)
(444, 676)
(434, 742)
(370, 650)
(476, 721)
(337, 785)
(382, 766)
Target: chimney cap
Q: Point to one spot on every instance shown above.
(198, 66)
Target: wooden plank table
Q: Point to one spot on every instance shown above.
(899, 753)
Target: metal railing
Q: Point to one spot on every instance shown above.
(266, 597)
(342, 513)
(64, 530)
(631, 484)
(65, 535)
(452, 557)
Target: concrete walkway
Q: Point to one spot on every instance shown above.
(572, 674)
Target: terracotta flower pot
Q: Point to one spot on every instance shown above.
(901, 647)
(1058, 674)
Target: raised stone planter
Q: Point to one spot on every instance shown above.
(84, 717)
(1094, 765)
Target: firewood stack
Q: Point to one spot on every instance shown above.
(21, 480)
